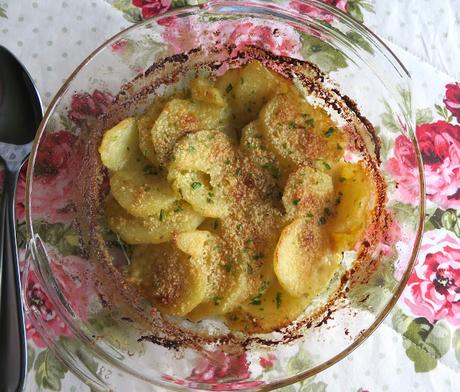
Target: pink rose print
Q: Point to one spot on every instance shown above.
(37, 297)
(452, 99)
(433, 290)
(119, 46)
(151, 8)
(74, 276)
(55, 170)
(440, 146)
(187, 34)
(390, 236)
(340, 4)
(21, 195)
(267, 37)
(317, 13)
(267, 362)
(86, 105)
(230, 372)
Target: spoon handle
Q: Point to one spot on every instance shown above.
(13, 356)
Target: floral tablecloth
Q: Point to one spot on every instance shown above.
(418, 346)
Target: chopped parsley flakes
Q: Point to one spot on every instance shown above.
(257, 300)
(329, 132)
(278, 300)
(258, 256)
(310, 123)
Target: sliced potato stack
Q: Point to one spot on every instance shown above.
(175, 282)
(236, 199)
(355, 200)
(145, 124)
(271, 308)
(143, 207)
(119, 148)
(227, 281)
(248, 88)
(304, 263)
(308, 192)
(199, 171)
(153, 229)
(141, 193)
(298, 133)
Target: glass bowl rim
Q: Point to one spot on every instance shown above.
(343, 17)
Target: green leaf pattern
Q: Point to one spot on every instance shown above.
(443, 112)
(425, 343)
(423, 116)
(63, 236)
(449, 220)
(374, 295)
(321, 53)
(49, 371)
(355, 8)
(130, 12)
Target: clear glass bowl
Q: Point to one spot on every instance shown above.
(103, 344)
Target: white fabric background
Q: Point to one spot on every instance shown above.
(52, 37)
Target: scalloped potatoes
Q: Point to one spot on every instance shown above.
(236, 198)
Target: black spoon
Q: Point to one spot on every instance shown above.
(20, 115)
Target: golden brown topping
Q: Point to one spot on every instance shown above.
(298, 133)
(308, 192)
(250, 227)
(304, 264)
(175, 282)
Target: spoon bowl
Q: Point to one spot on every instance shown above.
(20, 115)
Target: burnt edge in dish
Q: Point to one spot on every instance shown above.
(116, 292)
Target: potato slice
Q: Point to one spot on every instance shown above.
(299, 133)
(254, 144)
(173, 281)
(120, 145)
(145, 124)
(233, 292)
(202, 90)
(303, 262)
(248, 88)
(153, 229)
(227, 278)
(210, 152)
(142, 193)
(274, 309)
(199, 170)
(196, 243)
(195, 188)
(308, 192)
(180, 117)
(355, 199)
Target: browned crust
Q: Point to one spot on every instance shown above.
(110, 282)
